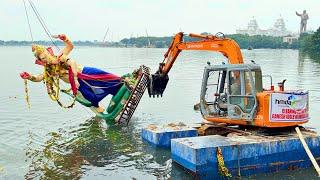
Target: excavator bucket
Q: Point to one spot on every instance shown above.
(158, 84)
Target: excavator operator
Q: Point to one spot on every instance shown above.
(235, 83)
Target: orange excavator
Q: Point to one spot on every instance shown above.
(233, 93)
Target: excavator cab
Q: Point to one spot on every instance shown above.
(229, 91)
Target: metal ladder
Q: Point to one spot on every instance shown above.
(135, 97)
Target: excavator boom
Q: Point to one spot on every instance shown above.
(228, 47)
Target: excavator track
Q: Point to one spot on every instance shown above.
(136, 95)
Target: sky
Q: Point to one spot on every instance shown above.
(89, 19)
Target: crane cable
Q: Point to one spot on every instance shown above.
(43, 24)
(25, 8)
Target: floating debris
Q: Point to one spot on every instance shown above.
(1, 169)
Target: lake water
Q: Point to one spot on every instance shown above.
(49, 142)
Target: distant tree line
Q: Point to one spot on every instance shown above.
(307, 42)
(244, 41)
(263, 42)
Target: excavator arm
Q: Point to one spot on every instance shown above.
(228, 47)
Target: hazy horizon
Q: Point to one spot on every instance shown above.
(89, 20)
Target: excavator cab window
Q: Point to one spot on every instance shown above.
(216, 93)
(257, 79)
(230, 91)
(241, 94)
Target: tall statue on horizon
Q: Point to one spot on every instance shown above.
(303, 23)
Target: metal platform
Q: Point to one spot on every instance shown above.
(136, 95)
(243, 155)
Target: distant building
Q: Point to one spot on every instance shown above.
(278, 29)
(290, 38)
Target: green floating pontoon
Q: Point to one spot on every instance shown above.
(124, 103)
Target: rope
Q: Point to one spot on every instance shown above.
(64, 89)
(239, 167)
(100, 87)
(43, 24)
(25, 8)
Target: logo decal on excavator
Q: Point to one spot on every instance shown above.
(296, 103)
(293, 102)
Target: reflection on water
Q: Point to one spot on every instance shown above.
(67, 154)
(47, 142)
(307, 55)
